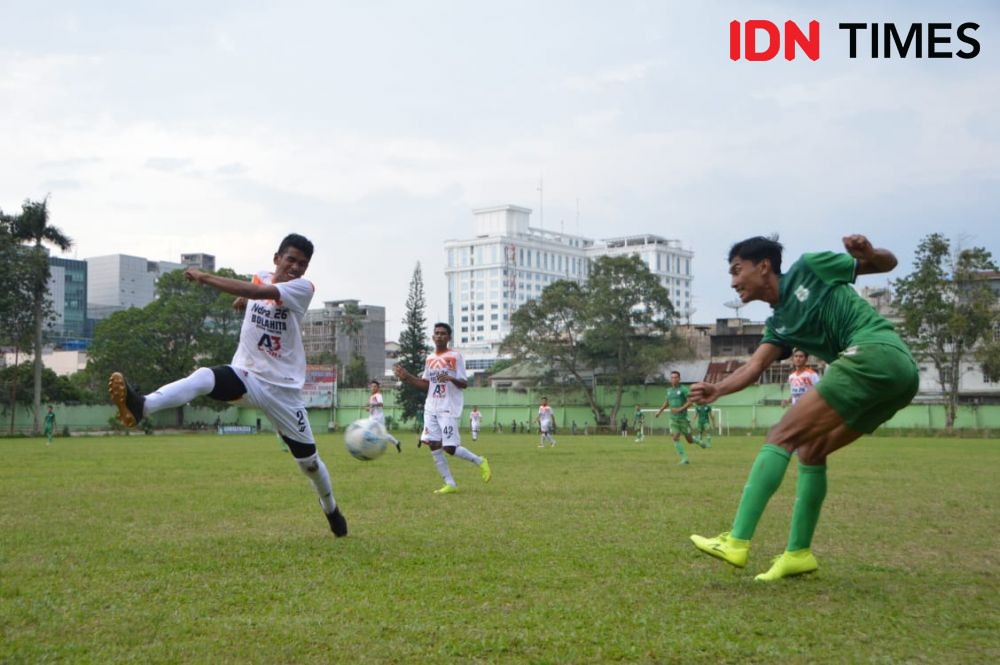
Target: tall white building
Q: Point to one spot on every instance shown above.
(119, 281)
(508, 262)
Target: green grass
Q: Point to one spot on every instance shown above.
(212, 549)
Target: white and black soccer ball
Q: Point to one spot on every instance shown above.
(366, 439)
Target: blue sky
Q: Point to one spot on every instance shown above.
(375, 128)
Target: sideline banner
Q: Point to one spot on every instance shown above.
(320, 386)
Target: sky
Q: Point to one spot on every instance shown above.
(375, 128)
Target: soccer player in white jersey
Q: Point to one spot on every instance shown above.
(546, 421)
(475, 418)
(377, 413)
(444, 379)
(268, 369)
(802, 378)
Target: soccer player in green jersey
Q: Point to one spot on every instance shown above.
(49, 425)
(870, 376)
(704, 424)
(678, 403)
(638, 421)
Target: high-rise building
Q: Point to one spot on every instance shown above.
(68, 293)
(204, 262)
(119, 281)
(327, 336)
(508, 263)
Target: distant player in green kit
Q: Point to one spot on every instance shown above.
(704, 424)
(49, 425)
(678, 403)
(638, 422)
(871, 375)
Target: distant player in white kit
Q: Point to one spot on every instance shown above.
(376, 411)
(444, 379)
(546, 423)
(268, 369)
(802, 378)
(475, 418)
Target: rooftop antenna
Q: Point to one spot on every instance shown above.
(736, 305)
(541, 203)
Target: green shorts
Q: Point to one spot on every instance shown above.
(678, 426)
(866, 385)
(703, 424)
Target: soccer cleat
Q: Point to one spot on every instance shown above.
(788, 564)
(684, 461)
(337, 522)
(447, 489)
(731, 550)
(484, 470)
(399, 446)
(128, 401)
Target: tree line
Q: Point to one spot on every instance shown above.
(614, 329)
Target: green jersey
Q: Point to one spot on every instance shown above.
(677, 397)
(638, 417)
(50, 420)
(704, 412)
(819, 312)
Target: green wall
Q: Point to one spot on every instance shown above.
(755, 408)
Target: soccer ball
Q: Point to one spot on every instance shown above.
(366, 439)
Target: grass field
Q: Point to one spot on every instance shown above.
(211, 549)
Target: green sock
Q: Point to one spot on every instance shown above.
(809, 494)
(680, 449)
(764, 480)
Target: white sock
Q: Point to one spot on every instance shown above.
(179, 393)
(441, 462)
(314, 468)
(464, 453)
(394, 440)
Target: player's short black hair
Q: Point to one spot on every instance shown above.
(300, 243)
(802, 351)
(442, 324)
(757, 249)
(375, 382)
(675, 372)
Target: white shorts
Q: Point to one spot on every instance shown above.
(377, 417)
(546, 428)
(441, 427)
(284, 407)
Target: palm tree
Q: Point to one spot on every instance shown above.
(32, 227)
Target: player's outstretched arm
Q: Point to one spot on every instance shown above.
(706, 393)
(235, 287)
(871, 260)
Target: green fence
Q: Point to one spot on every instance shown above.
(753, 409)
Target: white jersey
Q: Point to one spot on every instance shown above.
(375, 411)
(474, 418)
(545, 417)
(801, 382)
(444, 398)
(271, 337)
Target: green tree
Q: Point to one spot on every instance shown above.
(352, 323)
(32, 227)
(413, 346)
(16, 306)
(356, 372)
(615, 325)
(187, 326)
(946, 309)
(628, 316)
